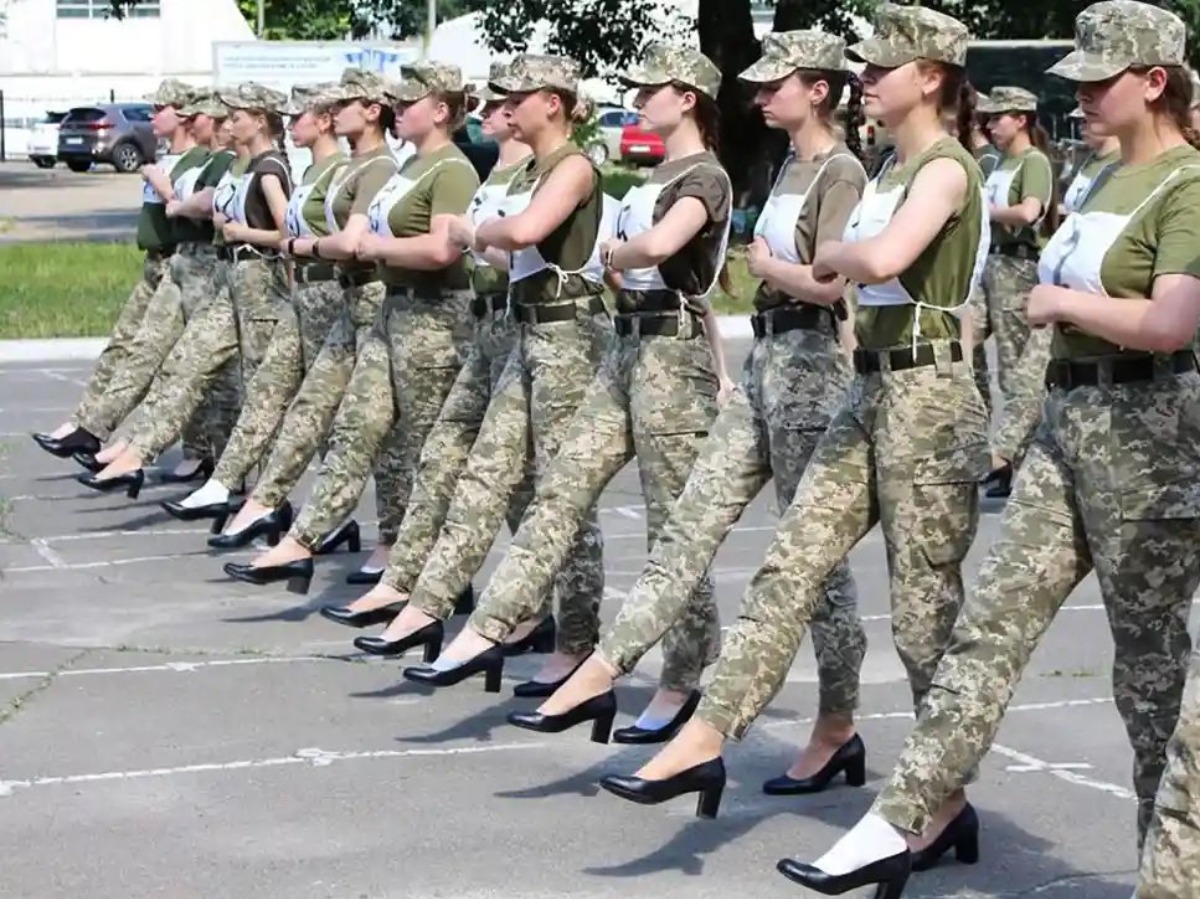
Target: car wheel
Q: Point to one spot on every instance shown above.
(126, 158)
(79, 165)
(598, 154)
(44, 162)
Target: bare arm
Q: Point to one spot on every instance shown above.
(712, 333)
(277, 202)
(1164, 323)
(340, 245)
(424, 253)
(796, 280)
(652, 247)
(159, 180)
(198, 206)
(564, 190)
(1027, 212)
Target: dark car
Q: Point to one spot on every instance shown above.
(118, 134)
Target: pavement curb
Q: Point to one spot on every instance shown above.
(75, 349)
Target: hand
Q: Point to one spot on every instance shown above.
(370, 248)
(1045, 306)
(234, 232)
(146, 169)
(607, 248)
(725, 391)
(173, 207)
(303, 246)
(462, 232)
(219, 221)
(758, 258)
(822, 271)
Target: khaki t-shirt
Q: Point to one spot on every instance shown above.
(1160, 240)
(444, 182)
(827, 206)
(353, 189)
(321, 176)
(1034, 178)
(487, 279)
(570, 245)
(941, 275)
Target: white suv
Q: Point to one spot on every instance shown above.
(43, 140)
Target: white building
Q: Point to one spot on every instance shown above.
(58, 53)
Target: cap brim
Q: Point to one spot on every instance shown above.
(875, 52)
(1086, 67)
(767, 71)
(642, 78)
(484, 94)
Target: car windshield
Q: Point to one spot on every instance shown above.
(138, 113)
(53, 118)
(83, 114)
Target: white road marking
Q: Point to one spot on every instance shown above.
(888, 716)
(65, 379)
(175, 667)
(312, 757)
(1062, 772)
(43, 549)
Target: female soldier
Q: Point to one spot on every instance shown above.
(362, 115)
(257, 291)
(1021, 198)
(793, 382)
(1110, 480)
(416, 348)
(908, 445)
(302, 329)
(655, 393)
(1105, 150)
(553, 219)
(449, 443)
(92, 422)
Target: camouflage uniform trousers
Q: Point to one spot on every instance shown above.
(310, 416)
(294, 345)
(1171, 856)
(792, 383)
(536, 399)
(906, 450)
(401, 378)
(998, 310)
(1023, 408)
(653, 398)
(447, 449)
(117, 352)
(1109, 483)
(239, 319)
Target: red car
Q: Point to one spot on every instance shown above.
(641, 147)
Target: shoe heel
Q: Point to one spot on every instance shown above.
(966, 850)
(218, 524)
(491, 679)
(274, 535)
(544, 644)
(856, 771)
(299, 584)
(433, 649)
(602, 728)
(709, 801)
(135, 489)
(892, 889)
(354, 538)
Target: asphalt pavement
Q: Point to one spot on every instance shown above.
(58, 204)
(165, 732)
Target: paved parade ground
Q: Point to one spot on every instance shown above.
(58, 204)
(167, 733)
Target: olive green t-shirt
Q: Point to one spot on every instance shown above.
(1160, 240)
(693, 269)
(443, 183)
(236, 169)
(988, 158)
(487, 279)
(1034, 178)
(189, 230)
(320, 175)
(942, 274)
(570, 245)
(353, 189)
(827, 206)
(154, 230)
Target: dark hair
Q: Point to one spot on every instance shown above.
(707, 113)
(1175, 102)
(957, 96)
(456, 104)
(838, 82)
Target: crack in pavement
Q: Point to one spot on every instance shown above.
(9, 712)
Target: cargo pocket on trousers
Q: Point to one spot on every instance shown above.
(946, 501)
(1161, 502)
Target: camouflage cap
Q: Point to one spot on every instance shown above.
(1113, 35)
(205, 102)
(786, 51)
(483, 93)
(251, 95)
(664, 63)
(983, 103)
(306, 97)
(359, 84)
(423, 78)
(1012, 99)
(529, 73)
(904, 34)
(171, 92)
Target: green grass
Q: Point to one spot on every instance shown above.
(64, 289)
(741, 300)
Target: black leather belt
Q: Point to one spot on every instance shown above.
(314, 272)
(870, 361)
(1068, 374)
(196, 248)
(485, 305)
(158, 254)
(358, 279)
(1015, 251)
(547, 313)
(630, 302)
(782, 319)
(651, 324)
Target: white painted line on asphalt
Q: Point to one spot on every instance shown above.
(175, 667)
(887, 716)
(59, 376)
(87, 566)
(43, 549)
(314, 758)
(1062, 772)
(104, 535)
(28, 410)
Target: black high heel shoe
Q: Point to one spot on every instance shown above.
(78, 441)
(540, 639)
(640, 736)
(890, 874)
(961, 835)
(364, 578)
(298, 574)
(536, 689)
(348, 533)
(489, 663)
(707, 779)
(851, 757)
(202, 473)
(430, 636)
(273, 526)
(88, 461)
(177, 510)
(343, 615)
(131, 482)
(600, 710)
(999, 482)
